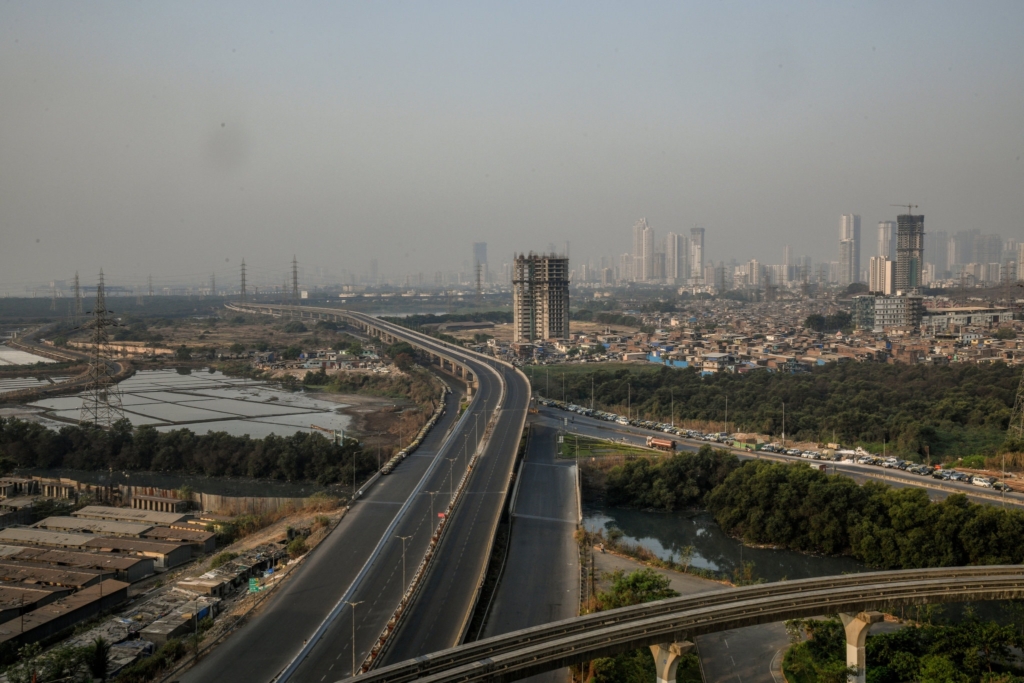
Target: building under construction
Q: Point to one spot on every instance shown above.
(540, 298)
(909, 251)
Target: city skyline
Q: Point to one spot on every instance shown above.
(163, 142)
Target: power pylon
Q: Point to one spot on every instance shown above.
(150, 286)
(479, 282)
(101, 403)
(1016, 430)
(213, 284)
(78, 299)
(295, 281)
(243, 282)
(53, 300)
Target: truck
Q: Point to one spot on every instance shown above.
(661, 444)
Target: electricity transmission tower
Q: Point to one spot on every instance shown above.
(101, 403)
(78, 299)
(295, 281)
(243, 282)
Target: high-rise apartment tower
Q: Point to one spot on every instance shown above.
(697, 254)
(540, 298)
(849, 230)
(909, 251)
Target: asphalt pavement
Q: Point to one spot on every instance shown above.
(540, 581)
(378, 595)
(260, 649)
(636, 436)
(437, 617)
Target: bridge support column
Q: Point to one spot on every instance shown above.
(666, 659)
(857, 626)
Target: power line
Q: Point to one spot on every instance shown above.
(101, 403)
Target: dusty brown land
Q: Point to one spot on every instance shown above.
(503, 331)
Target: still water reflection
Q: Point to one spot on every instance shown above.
(666, 534)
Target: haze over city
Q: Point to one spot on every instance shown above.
(173, 140)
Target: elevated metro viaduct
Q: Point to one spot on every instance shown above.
(370, 328)
(669, 626)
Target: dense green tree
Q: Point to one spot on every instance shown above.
(301, 456)
(917, 410)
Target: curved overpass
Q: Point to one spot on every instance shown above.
(666, 624)
(439, 612)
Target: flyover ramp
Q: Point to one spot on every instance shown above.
(540, 582)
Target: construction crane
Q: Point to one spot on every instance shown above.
(909, 207)
(337, 434)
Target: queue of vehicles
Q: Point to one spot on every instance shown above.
(859, 456)
(719, 437)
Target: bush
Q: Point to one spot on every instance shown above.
(297, 547)
(295, 327)
(221, 559)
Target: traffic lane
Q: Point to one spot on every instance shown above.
(381, 591)
(540, 581)
(637, 436)
(434, 620)
(264, 646)
(751, 655)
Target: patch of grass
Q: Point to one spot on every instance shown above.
(598, 448)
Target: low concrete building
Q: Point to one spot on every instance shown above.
(33, 574)
(105, 512)
(44, 538)
(104, 527)
(164, 555)
(17, 599)
(124, 567)
(201, 541)
(54, 617)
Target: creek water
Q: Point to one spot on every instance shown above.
(667, 534)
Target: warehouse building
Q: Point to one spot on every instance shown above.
(164, 555)
(56, 616)
(123, 567)
(151, 517)
(104, 527)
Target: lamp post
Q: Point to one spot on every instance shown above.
(404, 539)
(451, 478)
(432, 494)
(353, 606)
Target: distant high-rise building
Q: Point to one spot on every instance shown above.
(1020, 261)
(626, 268)
(887, 239)
(540, 298)
(786, 255)
(847, 263)
(936, 252)
(849, 230)
(676, 258)
(882, 274)
(754, 273)
(643, 251)
(697, 254)
(909, 251)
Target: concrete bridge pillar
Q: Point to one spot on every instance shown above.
(666, 659)
(857, 627)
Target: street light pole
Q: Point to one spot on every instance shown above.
(404, 539)
(432, 494)
(353, 606)
(672, 392)
(451, 477)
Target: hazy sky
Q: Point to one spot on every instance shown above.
(167, 138)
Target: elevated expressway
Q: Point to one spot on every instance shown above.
(668, 626)
(438, 614)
